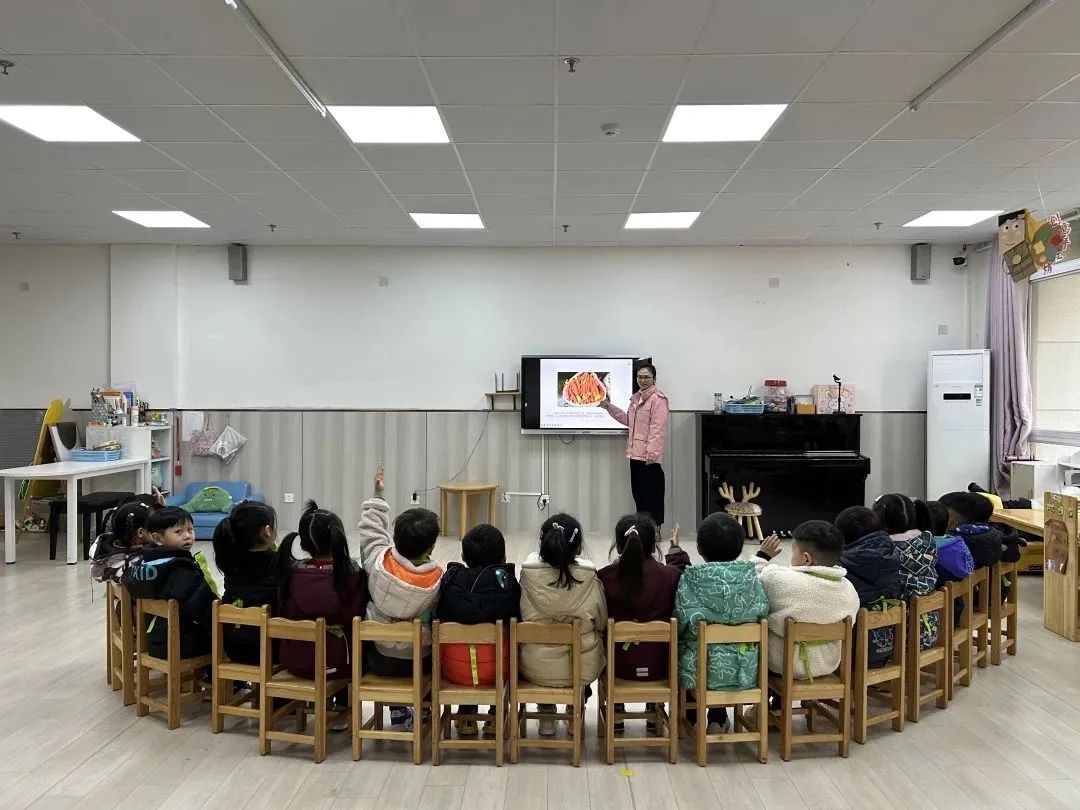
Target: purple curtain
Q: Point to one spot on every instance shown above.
(1010, 379)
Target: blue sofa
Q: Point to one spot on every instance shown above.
(206, 522)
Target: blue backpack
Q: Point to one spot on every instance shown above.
(954, 557)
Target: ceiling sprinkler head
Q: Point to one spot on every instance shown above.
(273, 228)
(5, 64)
(609, 130)
(16, 234)
(565, 228)
(877, 226)
(571, 63)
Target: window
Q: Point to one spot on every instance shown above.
(1055, 350)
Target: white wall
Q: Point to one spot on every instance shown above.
(54, 338)
(313, 329)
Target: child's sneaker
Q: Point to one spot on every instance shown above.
(718, 721)
(489, 725)
(650, 724)
(547, 724)
(619, 725)
(401, 719)
(466, 728)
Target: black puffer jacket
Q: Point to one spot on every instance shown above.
(873, 567)
(479, 595)
(252, 586)
(1011, 542)
(163, 573)
(984, 542)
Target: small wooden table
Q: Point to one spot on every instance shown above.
(463, 489)
(1025, 520)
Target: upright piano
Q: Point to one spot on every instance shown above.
(807, 466)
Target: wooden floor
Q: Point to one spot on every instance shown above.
(1010, 740)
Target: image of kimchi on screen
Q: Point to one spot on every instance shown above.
(581, 389)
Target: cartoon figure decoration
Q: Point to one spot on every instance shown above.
(1028, 246)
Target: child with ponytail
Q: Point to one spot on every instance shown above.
(328, 586)
(558, 585)
(126, 531)
(245, 551)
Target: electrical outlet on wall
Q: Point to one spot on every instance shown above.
(290, 497)
(414, 499)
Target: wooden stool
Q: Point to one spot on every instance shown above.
(1004, 603)
(523, 691)
(934, 664)
(412, 691)
(961, 646)
(705, 698)
(119, 642)
(980, 618)
(888, 679)
(662, 691)
(745, 512)
(828, 695)
(298, 692)
(463, 490)
(445, 695)
(245, 702)
(177, 671)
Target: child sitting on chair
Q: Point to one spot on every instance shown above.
(125, 533)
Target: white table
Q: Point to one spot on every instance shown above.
(72, 472)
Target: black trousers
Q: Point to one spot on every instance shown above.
(647, 486)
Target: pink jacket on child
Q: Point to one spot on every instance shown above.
(647, 418)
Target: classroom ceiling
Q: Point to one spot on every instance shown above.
(228, 139)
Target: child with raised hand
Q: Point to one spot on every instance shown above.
(721, 590)
(558, 585)
(403, 581)
(329, 585)
(245, 550)
(485, 589)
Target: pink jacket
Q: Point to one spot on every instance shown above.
(647, 419)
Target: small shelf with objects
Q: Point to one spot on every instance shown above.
(504, 394)
(120, 421)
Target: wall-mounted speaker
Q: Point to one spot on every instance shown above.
(920, 262)
(238, 270)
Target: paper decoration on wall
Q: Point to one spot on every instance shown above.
(1050, 242)
(1028, 246)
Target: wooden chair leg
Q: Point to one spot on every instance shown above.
(500, 730)
(763, 727)
(786, 720)
(514, 731)
(437, 731)
(266, 708)
(173, 689)
(702, 724)
(320, 730)
(860, 714)
(142, 690)
(418, 732)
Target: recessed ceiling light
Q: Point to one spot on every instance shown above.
(721, 122)
(950, 219)
(662, 219)
(162, 219)
(445, 221)
(71, 123)
(391, 124)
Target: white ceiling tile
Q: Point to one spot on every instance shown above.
(587, 182)
(500, 123)
(928, 25)
(863, 180)
(885, 211)
(104, 155)
(514, 203)
(876, 76)
(691, 156)
(57, 26)
(511, 182)
(165, 181)
(189, 123)
(637, 123)
(780, 155)
(192, 27)
(672, 202)
(946, 180)
(385, 213)
(779, 26)
(410, 157)
(797, 220)
(634, 238)
(791, 180)
(272, 182)
(288, 210)
(751, 203)
(899, 154)
(630, 26)
(528, 226)
(359, 184)
(482, 27)
(994, 153)
(623, 80)
(438, 203)
(75, 183)
(921, 202)
(1011, 77)
(367, 80)
(603, 156)
(425, 182)
(1065, 157)
(275, 123)
(988, 200)
(231, 79)
(97, 80)
(1070, 91)
(747, 79)
(493, 81)
(334, 27)
(673, 182)
(1042, 120)
(592, 226)
(823, 122)
(832, 199)
(301, 156)
(574, 204)
(508, 156)
(948, 120)
(1032, 181)
(215, 209)
(1052, 31)
(216, 156)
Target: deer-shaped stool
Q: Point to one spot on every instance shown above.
(744, 511)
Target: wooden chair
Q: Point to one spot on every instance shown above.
(523, 691)
(932, 665)
(119, 642)
(245, 702)
(295, 692)
(980, 618)
(1003, 608)
(960, 631)
(414, 691)
(828, 695)
(176, 671)
(445, 695)
(884, 684)
(743, 730)
(664, 692)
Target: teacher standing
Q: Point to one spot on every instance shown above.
(647, 419)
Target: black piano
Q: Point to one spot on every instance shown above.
(808, 467)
